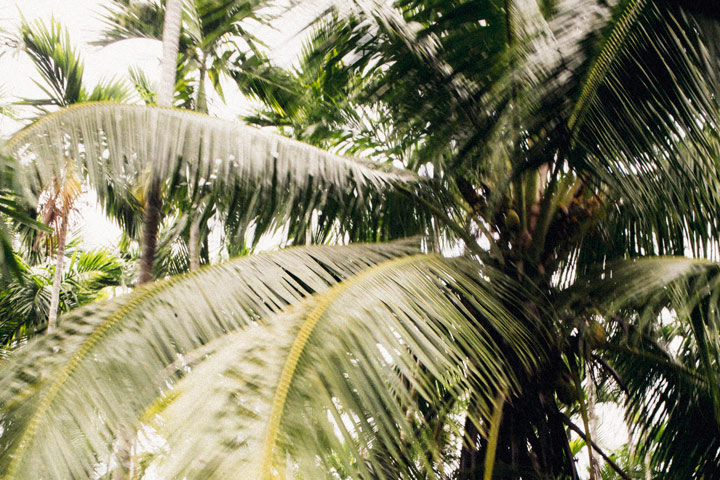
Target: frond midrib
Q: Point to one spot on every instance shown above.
(602, 63)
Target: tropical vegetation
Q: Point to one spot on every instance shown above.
(527, 227)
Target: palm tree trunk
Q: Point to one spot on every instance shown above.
(151, 225)
(57, 280)
(170, 42)
(201, 102)
(194, 242)
(153, 205)
(592, 420)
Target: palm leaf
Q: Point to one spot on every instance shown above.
(272, 179)
(246, 290)
(671, 379)
(359, 352)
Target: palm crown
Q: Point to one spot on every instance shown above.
(565, 147)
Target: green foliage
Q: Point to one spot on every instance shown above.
(568, 144)
(25, 301)
(61, 68)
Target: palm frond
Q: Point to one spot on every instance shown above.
(126, 19)
(272, 178)
(361, 353)
(664, 345)
(58, 63)
(245, 291)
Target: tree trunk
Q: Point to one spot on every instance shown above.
(201, 101)
(151, 225)
(57, 280)
(153, 204)
(194, 242)
(593, 421)
(170, 42)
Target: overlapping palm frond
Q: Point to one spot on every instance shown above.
(664, 349)
(423, 310)
(387, 347)
(271, 179)
(577, 84)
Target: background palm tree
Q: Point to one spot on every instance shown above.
(211, 38)
(25, 302)
(564, 149)
(61, 69)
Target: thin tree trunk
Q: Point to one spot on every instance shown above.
(201, 102)
(153, 205)
(57, 280)
(151, 225)
(194, 242)
(170, 43)
(592, 420)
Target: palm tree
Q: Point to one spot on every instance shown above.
(565, 149)
(209, 39)
(61, 69)
(26, 302)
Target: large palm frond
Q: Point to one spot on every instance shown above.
(272, 180)
(433, 322)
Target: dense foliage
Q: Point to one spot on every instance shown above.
(548, 156)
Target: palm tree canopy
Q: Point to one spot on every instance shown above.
(574, 136)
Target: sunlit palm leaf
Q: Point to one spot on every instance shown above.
(172, 318)
(274, 179)
(361, 352)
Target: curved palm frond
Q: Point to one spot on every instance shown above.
(272, 179)
(646, 119)
(362, 352)
(194, 310)
(664, 346)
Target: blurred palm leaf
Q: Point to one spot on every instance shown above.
(664, 346)
(271, 180)
(432, 319)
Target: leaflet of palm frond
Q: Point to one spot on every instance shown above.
(672, 380)
(371, 217)
(352, 359)
(172, 256)
(195, 309)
